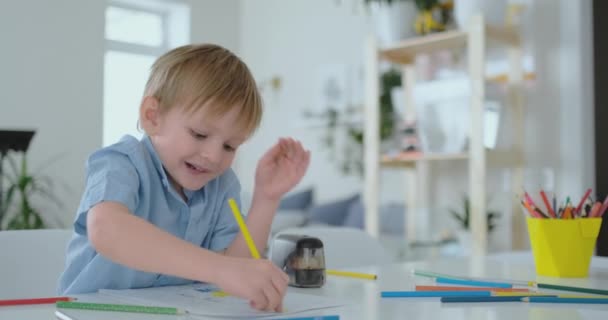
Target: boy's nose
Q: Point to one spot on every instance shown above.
(212, 156)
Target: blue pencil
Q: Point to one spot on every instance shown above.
(474, 283)
(332, 317)
(426, 294)
(565, 300)
(481, 299)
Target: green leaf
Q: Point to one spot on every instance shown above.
(16, 211)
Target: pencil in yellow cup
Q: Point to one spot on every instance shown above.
(351, 274)
(239, 220)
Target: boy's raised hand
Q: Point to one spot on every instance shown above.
(281, 168)
(257, 280)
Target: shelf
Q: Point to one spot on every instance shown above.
(409, 159)
(405, 51)
(479, 160)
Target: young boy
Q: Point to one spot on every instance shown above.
(155, 211)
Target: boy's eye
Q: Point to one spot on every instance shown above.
(198, 136)
(229, 148)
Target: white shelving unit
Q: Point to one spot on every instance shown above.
(417, 166)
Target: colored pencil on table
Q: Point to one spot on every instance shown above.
(19, 302)
(118, 307)
(543, 195)
(474, 283)
(351, 274)
(521, 294)
(482, 299)
(572, 289)
(433, 275)
(458, 288)
(332, 317)
(426, 294)
(430, 274)
(565, 300)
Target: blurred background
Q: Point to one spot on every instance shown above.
(73, 72)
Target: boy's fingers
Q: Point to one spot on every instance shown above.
(273, 297)
(280, 284)
(260, 301)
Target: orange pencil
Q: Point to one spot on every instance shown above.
(567, 212)
(546, 201)
(530, 210)
(529, 199)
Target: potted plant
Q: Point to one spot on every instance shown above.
(463, 216)
(343, 131)
(17, 210)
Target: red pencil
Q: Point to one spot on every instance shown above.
(580, 204)
(18, 302)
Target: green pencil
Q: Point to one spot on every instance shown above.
(118, 307)
(573, 289)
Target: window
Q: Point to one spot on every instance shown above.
(136, 33)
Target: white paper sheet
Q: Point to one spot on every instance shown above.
(203, 300)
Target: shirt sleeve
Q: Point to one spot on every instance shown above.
(226, 227)
(110, 176)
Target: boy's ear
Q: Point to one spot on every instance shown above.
(149, 115)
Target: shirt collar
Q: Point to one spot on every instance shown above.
(158, 165)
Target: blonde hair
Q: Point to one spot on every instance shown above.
(209, 76)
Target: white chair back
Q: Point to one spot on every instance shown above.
(345, 247)
(31, 262)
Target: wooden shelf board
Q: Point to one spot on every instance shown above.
(405, 51)
(506, 35)
(410, 159)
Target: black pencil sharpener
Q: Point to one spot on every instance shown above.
(301, 257)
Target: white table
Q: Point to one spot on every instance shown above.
(364, 295)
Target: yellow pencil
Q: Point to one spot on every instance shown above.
(351, 274)
(519, 294)
(239, 220)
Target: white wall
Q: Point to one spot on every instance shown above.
(51, 60)
(294, 40)
(216, 22)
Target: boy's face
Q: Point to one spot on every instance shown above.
(195, 148)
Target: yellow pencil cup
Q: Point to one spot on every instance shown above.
(563, 247)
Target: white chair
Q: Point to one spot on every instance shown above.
(31, 262)
(345, 247)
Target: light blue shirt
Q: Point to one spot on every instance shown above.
(131, 173)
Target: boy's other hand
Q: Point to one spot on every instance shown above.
(257, 280)
(281, 168)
